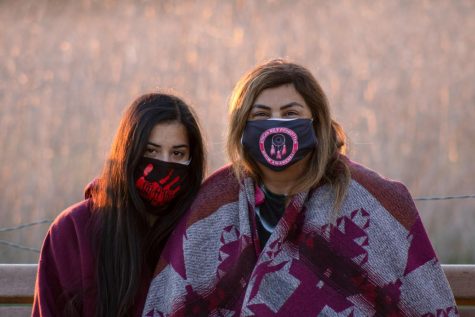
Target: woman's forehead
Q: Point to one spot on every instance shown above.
(280, 96)
(169, 134)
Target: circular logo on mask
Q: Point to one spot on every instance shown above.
(278, 145)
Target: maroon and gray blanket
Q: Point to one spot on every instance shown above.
(375, 259)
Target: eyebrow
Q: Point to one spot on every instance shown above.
(289, 105)
(175, 146)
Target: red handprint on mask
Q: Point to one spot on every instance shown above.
(157, 193)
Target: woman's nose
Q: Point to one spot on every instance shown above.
(164, 157)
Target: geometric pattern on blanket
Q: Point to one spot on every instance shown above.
(309, 267)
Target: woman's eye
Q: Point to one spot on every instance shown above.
(151, 152)
(291, 114)
(259, 115)
(178, 154)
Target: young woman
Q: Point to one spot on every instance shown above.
(293, 227)
(99, 255)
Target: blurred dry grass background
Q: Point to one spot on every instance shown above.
(399, 75)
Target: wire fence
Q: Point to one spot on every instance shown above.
(25, 225)
(18, 246)
(47, 221)
(21, 226)
(444, 197)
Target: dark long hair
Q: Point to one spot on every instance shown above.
(124, 243)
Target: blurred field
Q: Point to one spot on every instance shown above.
(399, 75)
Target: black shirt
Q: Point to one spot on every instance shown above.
(268, 214)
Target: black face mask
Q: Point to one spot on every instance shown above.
(278, 143)
(159, 182)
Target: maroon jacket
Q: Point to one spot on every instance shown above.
(66, 267)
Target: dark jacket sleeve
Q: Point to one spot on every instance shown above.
(60, 285)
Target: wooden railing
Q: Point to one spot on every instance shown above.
(17, 286)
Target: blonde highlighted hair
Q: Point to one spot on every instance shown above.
(326, 164)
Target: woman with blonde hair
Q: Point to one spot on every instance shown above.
(293, 227)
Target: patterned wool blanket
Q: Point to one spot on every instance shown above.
(374, 260)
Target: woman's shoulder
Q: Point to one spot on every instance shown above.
(370, 178)
(391, 194)
(219, 189)
(223, 179)
(73, 218)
